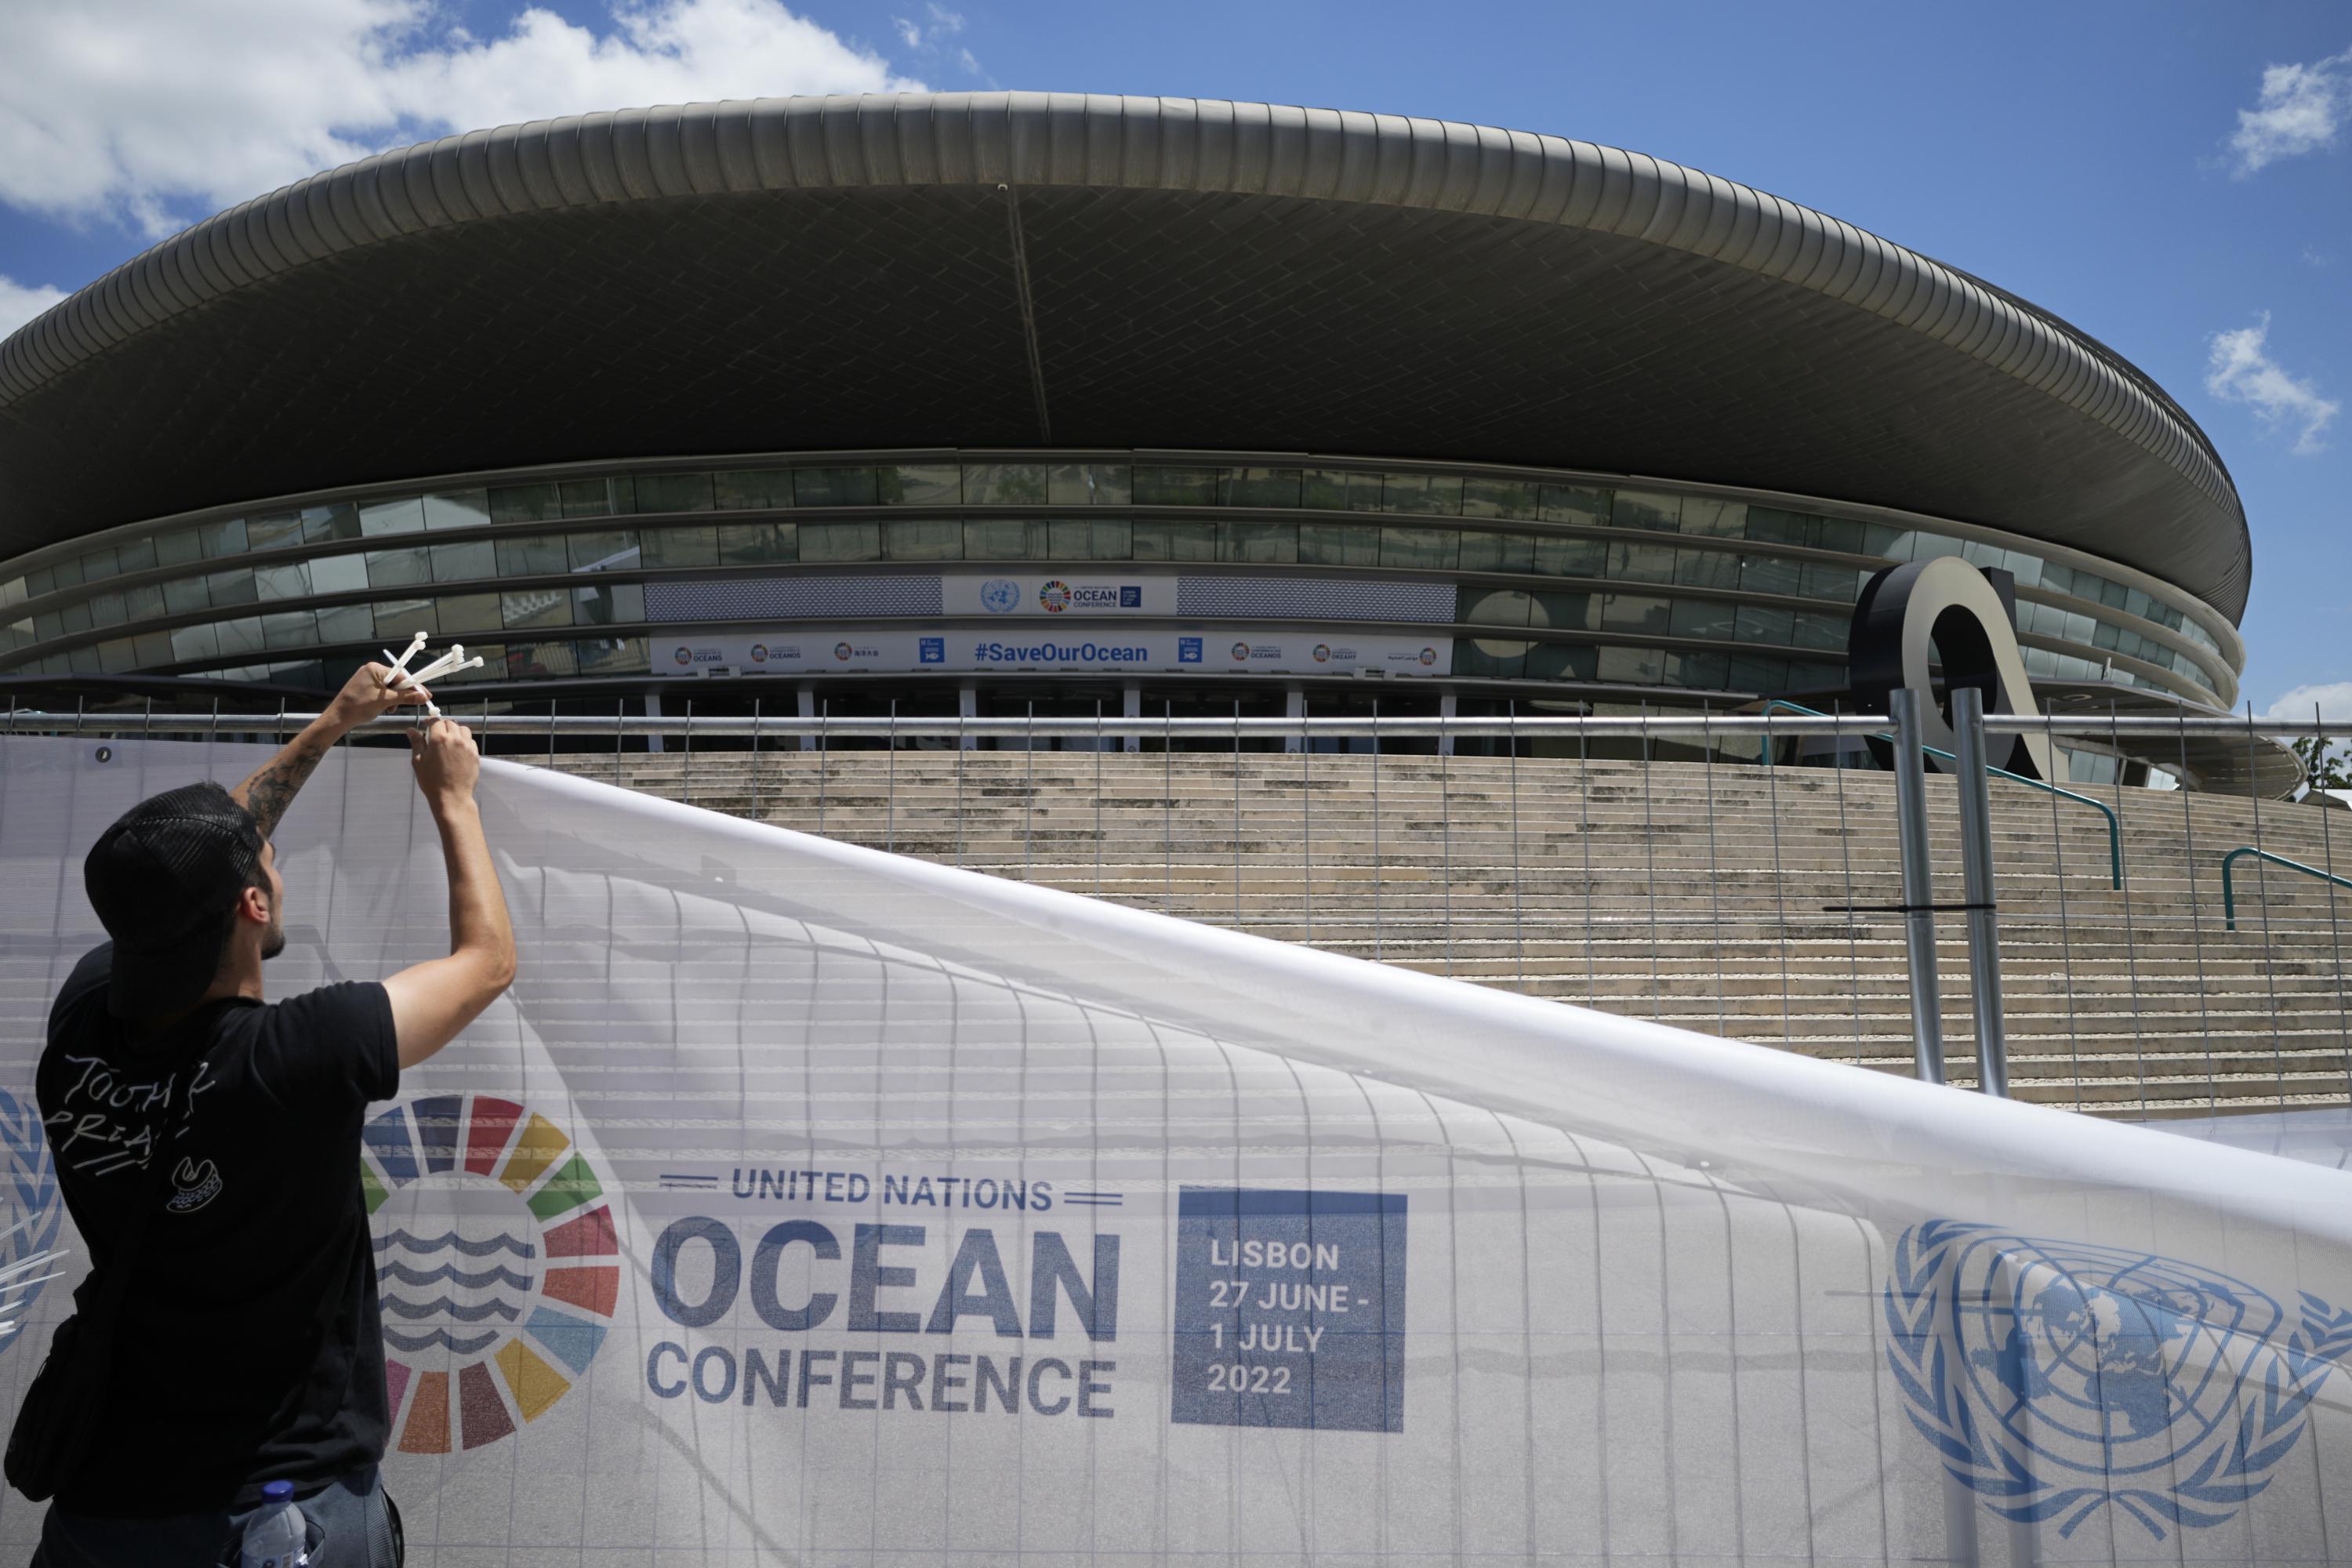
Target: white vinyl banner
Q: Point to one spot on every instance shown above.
(805, 1204)
(1086, 646)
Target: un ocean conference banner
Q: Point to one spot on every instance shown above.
(803, 1205)
(796, 650)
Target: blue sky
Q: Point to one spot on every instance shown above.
(2096, 158)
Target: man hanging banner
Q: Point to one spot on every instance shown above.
(801, 1204)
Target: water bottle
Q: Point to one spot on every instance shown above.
(275, 1537)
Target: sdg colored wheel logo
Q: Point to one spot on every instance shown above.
(497, 1265)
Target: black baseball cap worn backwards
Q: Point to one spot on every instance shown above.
(162, 880)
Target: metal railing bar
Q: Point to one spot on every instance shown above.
(1692, 727)
(2229, 894)
(2114, 825)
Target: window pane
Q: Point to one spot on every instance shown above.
(608, 605)
(922, 484)
(226, 537)
(611, 656)
(1005, 484)
(1827, 633)
(178, 547)
(1562, 661)
(1485, 551)
(494, 664)
(1087, 539)
(1089, 484)
(1266, 542)
(1338, 545)
(397, 620)
(1494, 658)
(681, 546)
(1758, 672)
(457, 563)
(186, 597)
(118, 656)
(106, 609)
(1565, 557)
(139, 555)
(1842, 584)
(529, 557)
(68, 573)
(930, 539)
(1004, 539)
(1634, 612)
(234, 586)
(680, 492)
(1759, 623)
(273, 530)
(1566, 612)
(591, 498)
(346, 623)
(1702, 618)
(1713, 517)
(405, 515)
(1576, 504)
(1648, 508)
(536, 608)
(1632, 666)
(288, 582)
(1177, 487)
(340, 520)
(1640, 562)
(1159, 540)
(1768, 574)
(526, 503)
(1434, 547)
(1839, 533)
(1706, 568)
(289, 628)
(398, 568)
(1431, 495)
(1501, 498)
(240, 636)
(1261, 487)
(604, 551)
(530, 660)
(832, 487)
(1340, 489)
(1702, 671)
(195, 642)
(458, 509)
(76, 616)
(1495, 606)
(468, 613)
(740, 489)
(841, 541)
(339, 575)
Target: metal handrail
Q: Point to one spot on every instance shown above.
(2230, 895)
(2115, 824)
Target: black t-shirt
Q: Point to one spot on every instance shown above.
(250, 1349)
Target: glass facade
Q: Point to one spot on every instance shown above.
(1702, 592)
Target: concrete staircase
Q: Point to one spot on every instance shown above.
(1693, 895)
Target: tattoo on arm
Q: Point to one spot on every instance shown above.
(271, 790)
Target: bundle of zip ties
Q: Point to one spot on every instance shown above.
(449, 663)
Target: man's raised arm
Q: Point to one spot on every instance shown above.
(431, 1002)
(274, 784)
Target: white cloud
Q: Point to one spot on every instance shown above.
(20, 303)
(929, 37)
(2333, 697)
(2300, 111)
(158, 112)
(2239, 369)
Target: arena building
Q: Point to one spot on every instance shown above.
(1018, 402)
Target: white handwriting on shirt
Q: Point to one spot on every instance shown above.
(87, 1116)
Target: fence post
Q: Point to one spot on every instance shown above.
(1918, 886)
(1975, 869)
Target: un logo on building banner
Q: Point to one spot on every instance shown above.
(2060, 1378)
(31, 1210)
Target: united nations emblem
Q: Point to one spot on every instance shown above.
(31, 1211)
(2060, 1378)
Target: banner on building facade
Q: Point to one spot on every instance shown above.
(803, 1204)
(1091, 645)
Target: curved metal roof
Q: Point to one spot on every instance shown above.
(999, 269)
